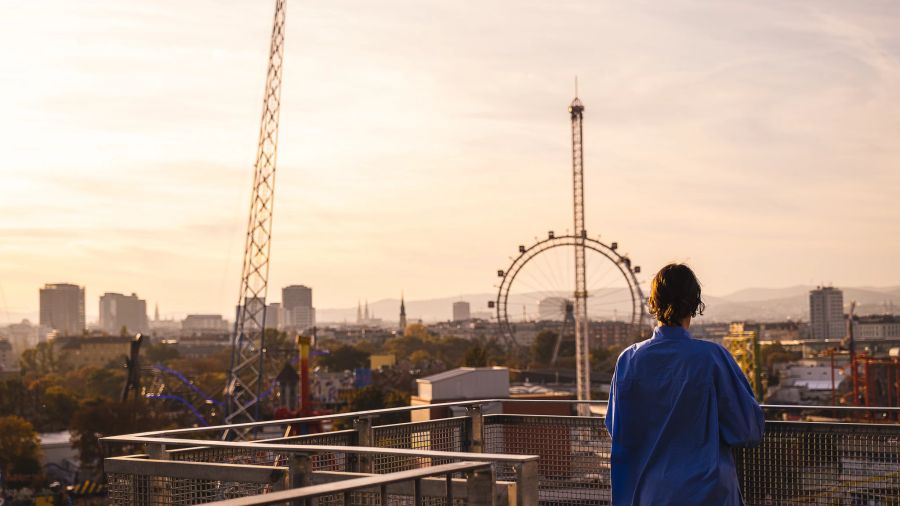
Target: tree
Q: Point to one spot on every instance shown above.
(98, 418)
(772, 354)
(543, 346)
(20, 451)
(59, 405)
(41, 360)
(398, 378)
(426, 351)
(416, 330)
(476, 356)
(376, 397)
(104, 383)
(344, 358)
(15, 398)
(160, 353)
(604, 359)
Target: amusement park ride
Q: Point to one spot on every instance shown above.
(872, 382)
(541, 273)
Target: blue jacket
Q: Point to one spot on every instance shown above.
(677, 407)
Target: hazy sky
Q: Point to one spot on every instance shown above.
(421, 142)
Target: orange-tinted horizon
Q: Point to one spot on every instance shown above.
(422, 142)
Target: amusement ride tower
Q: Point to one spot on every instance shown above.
(582, 333)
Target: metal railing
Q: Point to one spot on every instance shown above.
(177, 471)
(477, 489)
(550, 459)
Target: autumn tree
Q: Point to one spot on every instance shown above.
(160, 353)
(603, 359)
(98, 418)
(772, 354)
(59, 405)
(343, 358)
(485, 352)
(377, 397)
(416, 330)
(426, 351)
(542, 347)
(15, 398)
(20, 451)
(41, 360)
(476, 356)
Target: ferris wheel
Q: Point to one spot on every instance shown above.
(535, 293)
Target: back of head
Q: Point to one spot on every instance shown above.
(675, 295)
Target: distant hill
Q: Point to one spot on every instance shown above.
(770, 304)
(762, 304)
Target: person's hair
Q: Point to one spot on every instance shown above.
(675, 295)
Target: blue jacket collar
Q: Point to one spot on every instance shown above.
(666, 332)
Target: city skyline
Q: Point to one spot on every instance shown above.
(128, 171)
(751, 304)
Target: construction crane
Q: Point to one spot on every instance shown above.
(247, 375)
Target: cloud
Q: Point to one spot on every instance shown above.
(420, 143)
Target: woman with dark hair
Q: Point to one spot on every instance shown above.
(677, 407)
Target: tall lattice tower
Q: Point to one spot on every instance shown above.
(247, 375)
(582, 340)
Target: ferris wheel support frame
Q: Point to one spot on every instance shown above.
(526, 254)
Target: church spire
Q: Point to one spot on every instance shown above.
(367, 310)
(358, 311)
(402, 314)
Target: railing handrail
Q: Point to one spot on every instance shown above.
(353, 414)
(352, 484)
(316, 449)
(803, 407)
(405, 409)
(409, 424)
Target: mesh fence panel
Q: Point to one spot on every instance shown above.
(219, 455)
(320, 462)
(574, 454)
(126, 489)
(822, 464)
(446, 435)
(373, 498)
(326, 461)
(798, 462)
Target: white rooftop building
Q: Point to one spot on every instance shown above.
(462, 383)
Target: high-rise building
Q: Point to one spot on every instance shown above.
(274, 316)
(826, 313)
(296, 302)
(62, 308)
(553, 308)
(296, 296)
(461, 311)
(119, 311)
